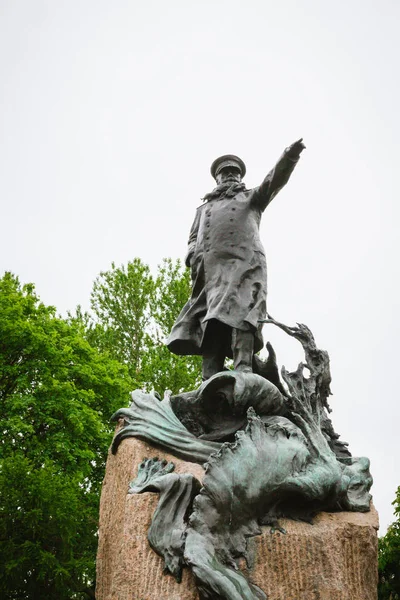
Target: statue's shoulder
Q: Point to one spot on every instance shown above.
(245, 195)
(251, 191)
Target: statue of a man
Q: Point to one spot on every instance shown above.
(228, 266)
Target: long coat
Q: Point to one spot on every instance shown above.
(227, 260)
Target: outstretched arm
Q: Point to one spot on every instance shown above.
(278, 177)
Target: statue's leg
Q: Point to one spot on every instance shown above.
(242, 350)
(168, 527)
(212, 364)
(214, 348)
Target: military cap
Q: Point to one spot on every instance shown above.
(228, 160)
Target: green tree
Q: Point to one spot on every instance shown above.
(120, 302)
(132, 314)
(389, 558)
(56, 395)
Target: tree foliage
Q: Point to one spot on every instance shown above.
(132, 314)
(56, 395)
(60, 381)
(120, 303)
(389, 558)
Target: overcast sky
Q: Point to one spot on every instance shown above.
(112, 112)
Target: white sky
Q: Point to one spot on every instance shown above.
(112, 112)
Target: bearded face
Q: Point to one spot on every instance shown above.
(229, 183)
(228, 175)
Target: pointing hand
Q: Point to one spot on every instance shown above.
(295, 149)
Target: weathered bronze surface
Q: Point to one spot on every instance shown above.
(267, 442)
(284, 460)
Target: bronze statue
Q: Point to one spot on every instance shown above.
(229, 272)
(269, 446)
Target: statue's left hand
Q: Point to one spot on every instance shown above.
(295, 149)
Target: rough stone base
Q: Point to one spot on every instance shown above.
(334, 559)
